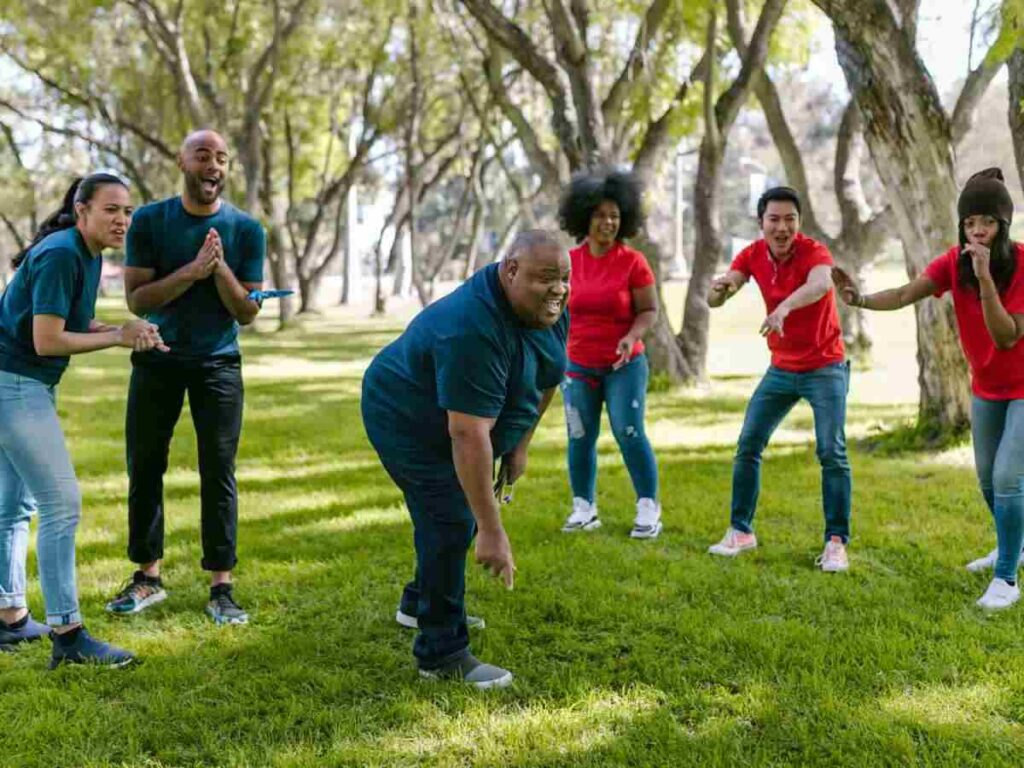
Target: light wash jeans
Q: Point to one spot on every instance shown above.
(36, 472)
(997, 431)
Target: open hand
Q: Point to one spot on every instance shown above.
(773, 323)
(722, 288)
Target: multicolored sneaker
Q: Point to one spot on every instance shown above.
(222, 607)
(83, 648)
(733, 543)
(471, 670)
(647, 524)
(25, 630)
(833, 559)
(137, 594)
(583, 517)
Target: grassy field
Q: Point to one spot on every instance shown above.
(626, 653)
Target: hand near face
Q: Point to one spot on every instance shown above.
(981, 260)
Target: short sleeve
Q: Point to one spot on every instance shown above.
(138, 251)
(1013, 299)
(54, 279)
(553, 372)
(741, 262)
(941, 271)
(251, 268)
(471, 373)
(640, 273)
(819, 256)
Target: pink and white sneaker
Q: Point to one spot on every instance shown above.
(833, 559)
(733, 543)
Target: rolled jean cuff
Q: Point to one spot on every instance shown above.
(63, 619)
(447, 661)
(13, 600)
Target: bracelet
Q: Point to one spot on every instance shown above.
(863, 303)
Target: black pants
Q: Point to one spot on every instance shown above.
(155, 398)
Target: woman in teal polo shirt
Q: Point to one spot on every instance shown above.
(47, 315)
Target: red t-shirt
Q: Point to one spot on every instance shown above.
(996, 374)
(601, 302)
(812, 336)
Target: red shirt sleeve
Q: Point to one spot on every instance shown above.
(640, 273)
(1013, 299)
(819, 256)
(742, 261)
(942, 271)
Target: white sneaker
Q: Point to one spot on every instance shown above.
(833, 559)
(984, 563)
(583, 517)
(733, 543)
(647, 524)
(1000, 594)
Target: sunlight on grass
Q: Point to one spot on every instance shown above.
(359, 519)
(278, 368)
(976, 706)
(487, 734)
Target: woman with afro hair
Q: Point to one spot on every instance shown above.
(612, 304)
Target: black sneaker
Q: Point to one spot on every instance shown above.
(83, 648)
(222, 607)
(470, 669)
(137, 594)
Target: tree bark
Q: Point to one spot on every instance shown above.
(911, 141)
(1016, 109)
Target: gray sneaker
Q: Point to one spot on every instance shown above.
(222, 607)
(470, 669)
(410, 622)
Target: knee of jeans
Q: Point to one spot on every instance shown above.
(1007, 481)
(574, 422)
(833, 456)
(63, 504)
(626, 434)
(750, 445)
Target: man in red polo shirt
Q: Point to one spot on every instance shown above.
(808, 361)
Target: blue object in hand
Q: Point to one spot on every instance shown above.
(259, 296)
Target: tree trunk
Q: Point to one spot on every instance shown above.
(910, 139)
(708, 251)
(663, 352)
(1016, 108)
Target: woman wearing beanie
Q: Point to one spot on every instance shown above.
(612, 304)
(985, 274)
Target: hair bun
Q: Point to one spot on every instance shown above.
(65, 220)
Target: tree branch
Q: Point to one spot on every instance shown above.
(729, 103)
(975, 85)
(629, 78)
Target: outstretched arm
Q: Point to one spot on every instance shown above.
(723, 288)
(818, 283)
(893, 298)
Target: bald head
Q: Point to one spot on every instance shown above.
(205, 137)
(535, 277)
(203, 160)
(529, 242)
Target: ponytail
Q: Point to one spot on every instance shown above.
(80, 191)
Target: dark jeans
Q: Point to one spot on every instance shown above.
(624, 392)
(155, 398)
(825, 389)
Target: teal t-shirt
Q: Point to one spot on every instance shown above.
(466, 352)
(59, 276)
(165, 237)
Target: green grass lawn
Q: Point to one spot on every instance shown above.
(626, 653)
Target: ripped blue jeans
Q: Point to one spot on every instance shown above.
(584, 391)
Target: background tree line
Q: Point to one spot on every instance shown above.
(468, 116)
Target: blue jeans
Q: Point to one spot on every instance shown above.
(997, 430)
(825, 389)
(36, 471)
(624, 391)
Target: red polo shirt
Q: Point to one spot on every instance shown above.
(812, 336)
(601, 302)
(996, 374)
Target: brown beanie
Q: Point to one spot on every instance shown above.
(985, 194)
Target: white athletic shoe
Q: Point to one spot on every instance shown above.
(999, 595)
(411, 622)
(583, 517)
(647, 524)
(984, 563)
(733, 543)
(833, 559)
